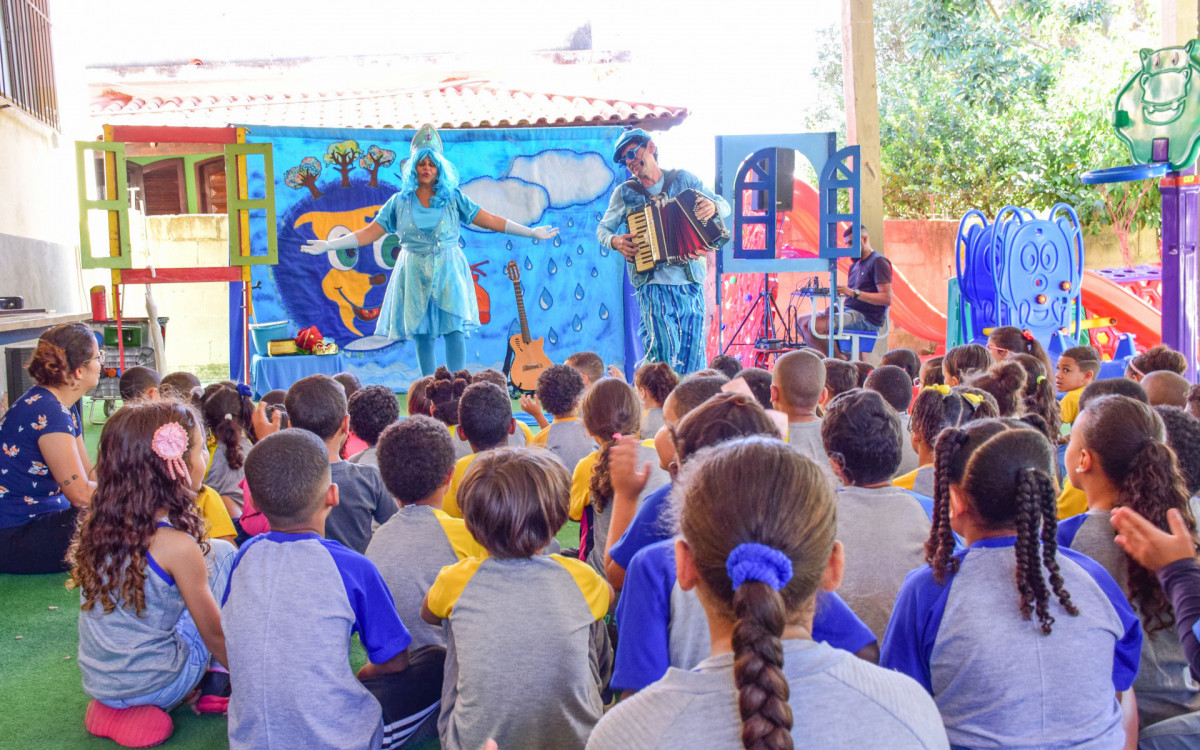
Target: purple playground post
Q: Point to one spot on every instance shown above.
(1180, 274)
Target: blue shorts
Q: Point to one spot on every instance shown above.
(854, 320)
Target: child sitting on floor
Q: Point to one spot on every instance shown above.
(416, 459)
(559, 389)
(588, 364)
(935, 409)
(840, 376)
(638, 523)
(931, 372)
(485, 421)
(758, 529)
(227, 410)
(1060, 648)
(610, 410)
(1160, 357)
(371, 409)
(179, 384)
(521, 664)
(294, 599)
(443, 393)
(862, 437)
(660, 624)
(1077, 368)
(1037, 397)
(1118, 457)
(654, 382)
(317, 403)
(896, 387)
(1005, 381)
(139, 382)
(148, 580)
(800, 385)
(521, 436)
(906, 359)
(963, 362)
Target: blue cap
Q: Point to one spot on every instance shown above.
(629, 136)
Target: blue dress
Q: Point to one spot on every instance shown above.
(431, 291)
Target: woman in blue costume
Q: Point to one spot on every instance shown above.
(431, 293)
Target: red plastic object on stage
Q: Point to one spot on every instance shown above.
(99, 303)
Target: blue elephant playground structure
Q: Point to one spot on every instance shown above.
(1025, 271)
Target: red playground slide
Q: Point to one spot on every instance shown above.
(910, 311)
(1106, 299)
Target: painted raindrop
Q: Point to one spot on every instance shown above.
(545, 300)
(528, 264)
(604, 250)
(578, 291)
(603, 312)
(579, 250)
(508, 245)
(570, 262)
(570, 222)
(552, 335)
(557, 241)
(595, 273)
(462, 242)
(576, 324)
(599, 216)
(551, 267)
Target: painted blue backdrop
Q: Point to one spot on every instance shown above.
(329, 181)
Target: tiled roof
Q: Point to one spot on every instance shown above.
(472, 104)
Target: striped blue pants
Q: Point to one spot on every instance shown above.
(672, 325)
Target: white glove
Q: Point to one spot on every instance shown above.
(538, 233)
(317, 247)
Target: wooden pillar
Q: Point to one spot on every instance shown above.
(862, 107)
(1180, 22)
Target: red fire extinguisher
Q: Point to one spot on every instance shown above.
(99, 303)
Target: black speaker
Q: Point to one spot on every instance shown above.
(16, 358)
(785, 169)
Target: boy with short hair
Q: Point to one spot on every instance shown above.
(317, 403)
(589, 365)
(416, 459)
(1077, 367)
(798, 387)
(840, 377)
(293, 599)
(485, 421)
(759, 382)
(371, 409)
(559, 388)
(521, 436)
(905, 359)
(139, 382)
(893, 383)
(179, 384)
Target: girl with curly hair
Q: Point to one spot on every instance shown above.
(654, 381)
(759, 544)
(1119, 457)
(610, 410)
(990, 656)
(148, 580)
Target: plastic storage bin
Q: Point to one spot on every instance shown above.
(262, 333)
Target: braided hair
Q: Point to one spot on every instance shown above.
(1037, 397)
(785, 503)
(1126, 437)
(1004, 470)
(610, 407)
(227, 414)
(1004, 381)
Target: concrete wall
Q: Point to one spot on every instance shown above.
(198, 330)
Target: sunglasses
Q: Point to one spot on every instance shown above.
(631, 154)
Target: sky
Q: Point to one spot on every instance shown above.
(741, 67)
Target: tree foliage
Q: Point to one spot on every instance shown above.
(305, 176)
(342, 155)
(376, 158)
(987, 103)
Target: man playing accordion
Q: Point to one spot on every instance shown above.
(670, 297)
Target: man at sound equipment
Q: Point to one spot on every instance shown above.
(669, 296)
(868, 293)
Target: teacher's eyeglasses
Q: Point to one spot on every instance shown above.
(631, 154)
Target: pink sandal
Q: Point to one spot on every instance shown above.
(140, 726)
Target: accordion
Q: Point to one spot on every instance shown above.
(667, 232)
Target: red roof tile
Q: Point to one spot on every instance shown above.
(476, 104)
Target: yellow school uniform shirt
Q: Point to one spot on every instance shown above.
(212, 509)
(520, 425)
(461, 541)
(1070, 405)
(1071, 501)
(540, 438)
(453, 579)
(581, 493)
(907, 481)
(450, 501)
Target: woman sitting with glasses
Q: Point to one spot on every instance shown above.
(45, 473)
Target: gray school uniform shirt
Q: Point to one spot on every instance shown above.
(652, 420)
(293, 602)
(366, 457)
(923, 482)
(568, 439)
(838, 701)
(883, 531)
(519, 663)
(1164, 686)
(908, 455)
(361, 499)
(805, 438)
(602, 519)
(224, 480)
(410, 550)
